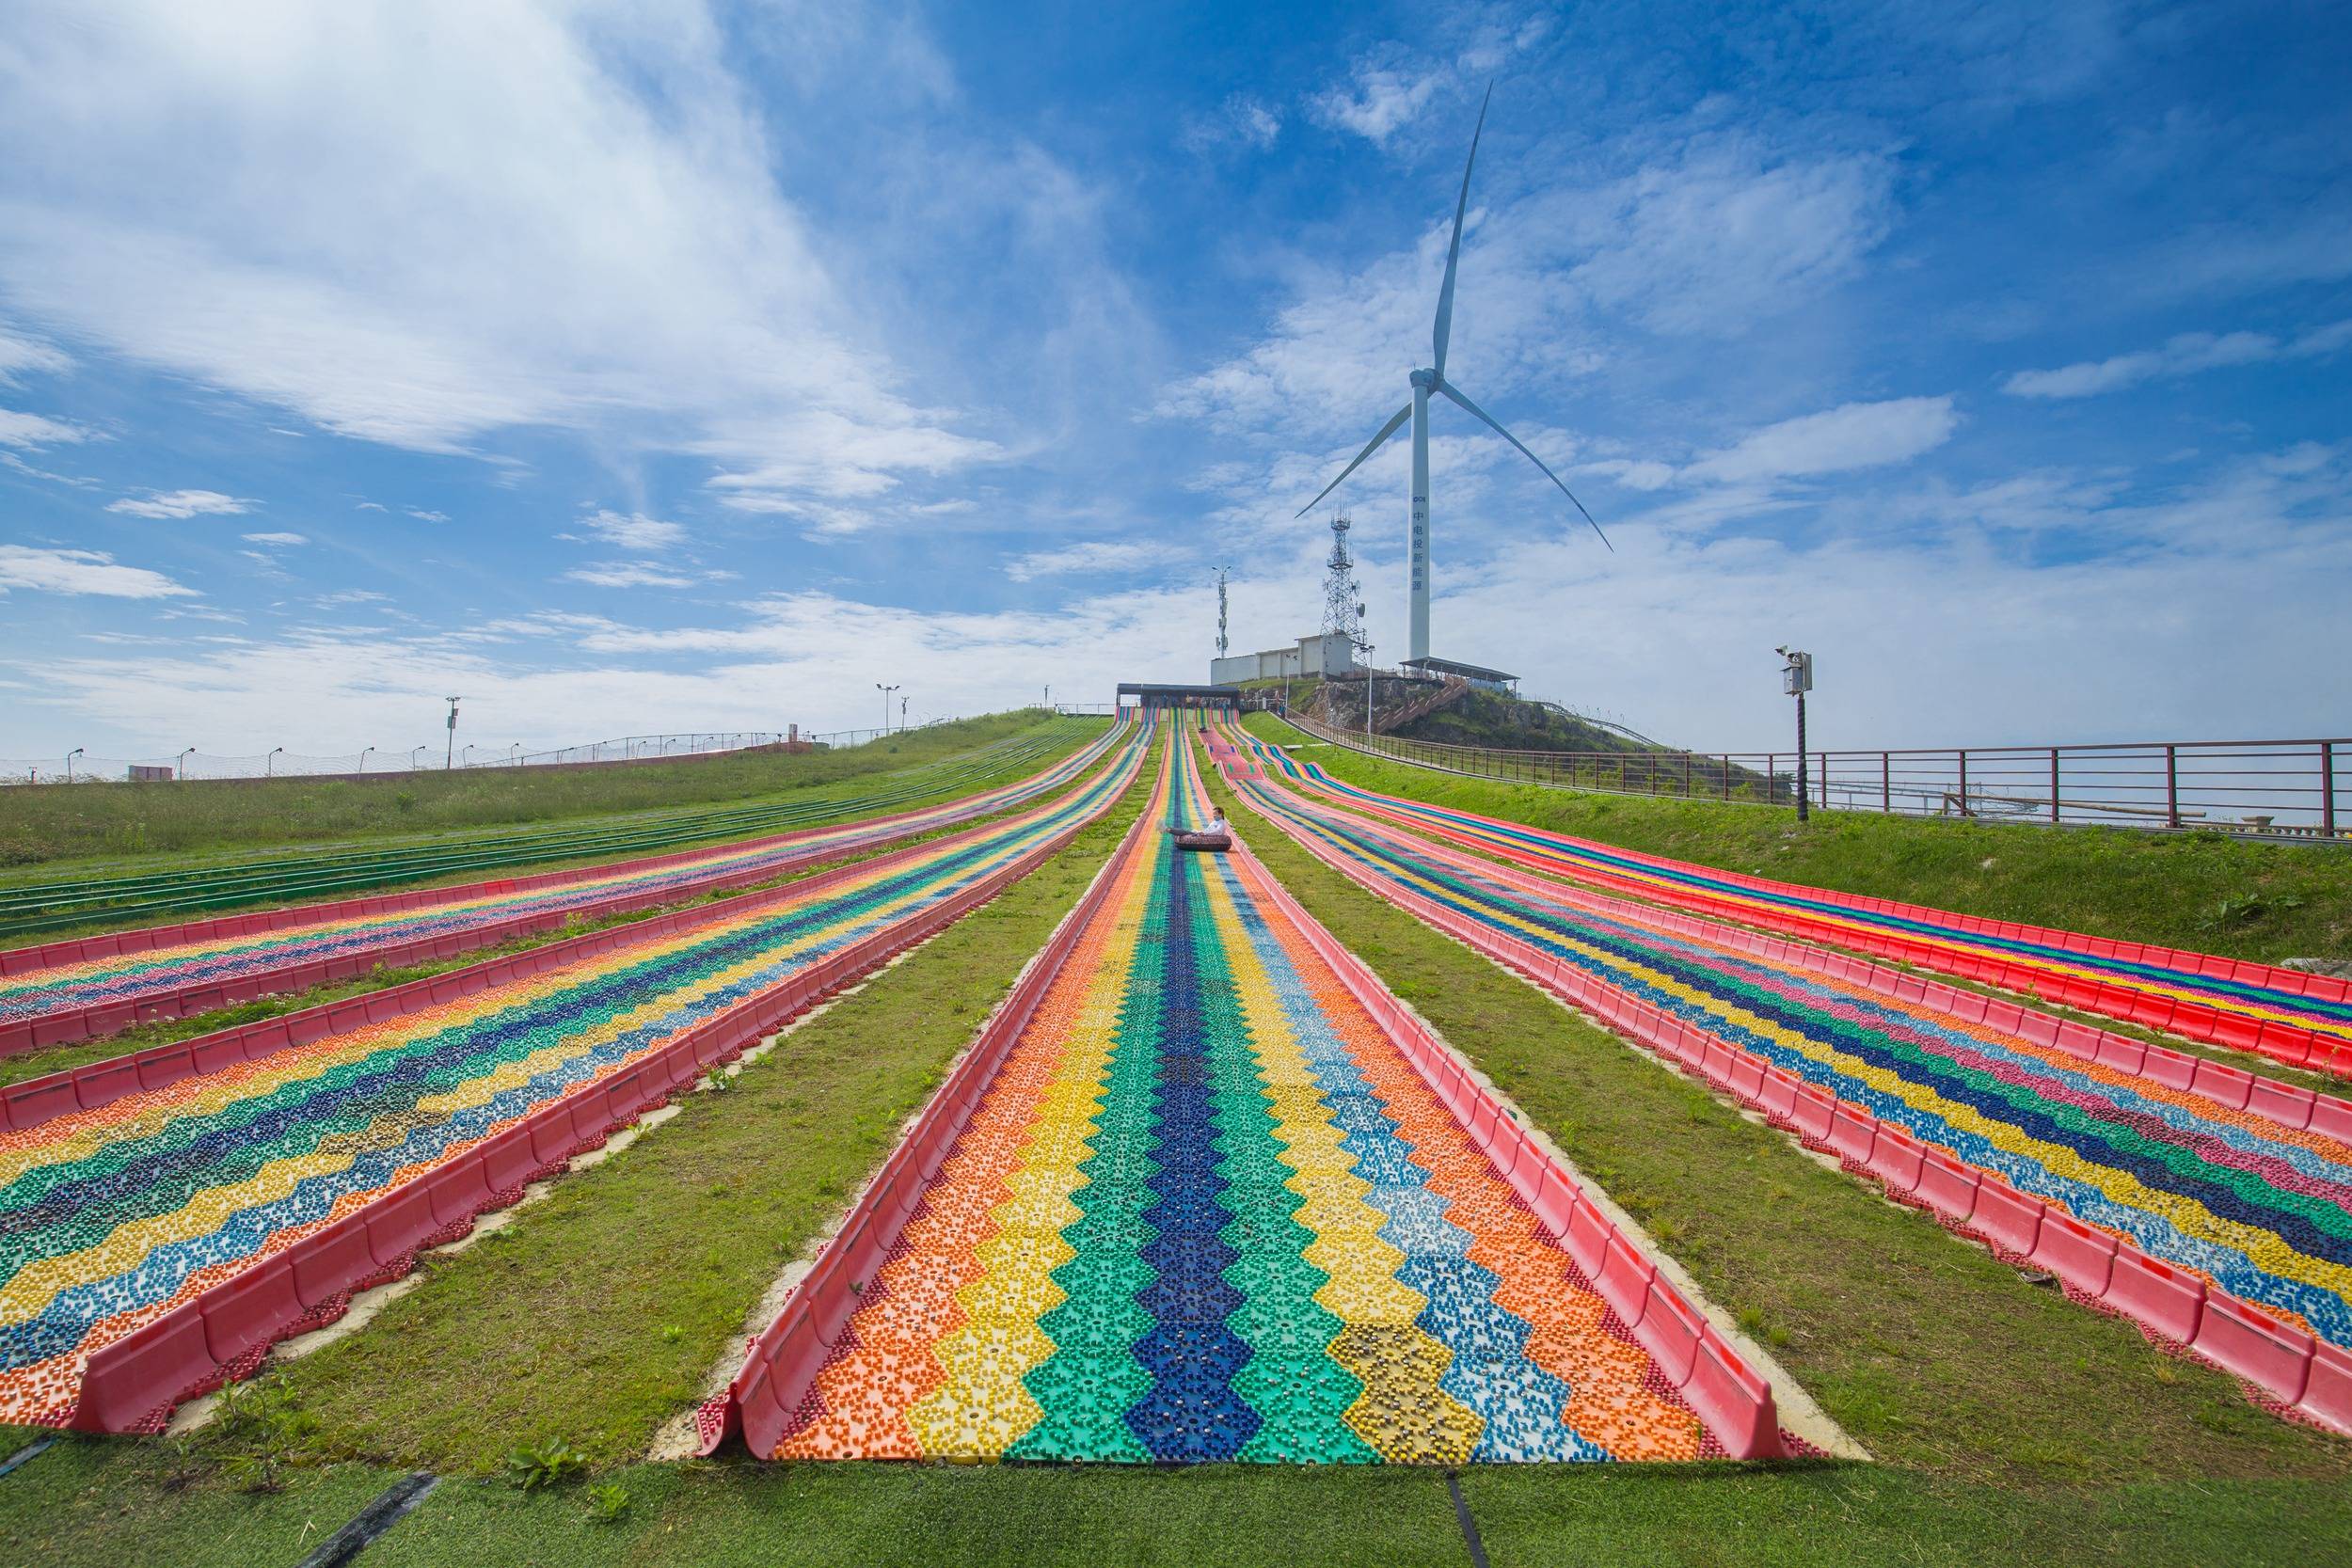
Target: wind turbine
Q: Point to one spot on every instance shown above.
(1424, 383)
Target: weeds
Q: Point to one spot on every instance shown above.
(546, 1463)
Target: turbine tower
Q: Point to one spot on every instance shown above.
(1424, 383)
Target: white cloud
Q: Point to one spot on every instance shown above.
(20, 355)
(50, 571)
(1095, 555)
(1376, 101)
(274, 539)
(32, 430)
(180, 503)
(582, 231)
(1241, 120)
(1854, 436)
(628, 574)
(424, 515)
(633, 531)
(1728, 229)
(2181, 355)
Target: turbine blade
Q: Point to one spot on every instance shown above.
(1448, 390)
(1369, 447)
(1444, 329)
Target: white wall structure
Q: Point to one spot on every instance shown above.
(1323, 653)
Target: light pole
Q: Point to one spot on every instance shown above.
(269, 763)
(182, 768)
(885, 690)
(469, 756)
(1366, 647)
(1796, 680)
(448, 751)
(514, 757)
(69, 761)
(416, 758)
(363, 759)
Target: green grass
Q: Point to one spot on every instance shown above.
(2207, 892)
(62, 823)
(96, 1504)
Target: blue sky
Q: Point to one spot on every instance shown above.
(638, 368)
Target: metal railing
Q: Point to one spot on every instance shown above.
(2290, 789)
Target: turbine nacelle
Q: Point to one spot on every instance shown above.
(1426, 381)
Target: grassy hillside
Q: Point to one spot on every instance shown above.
(1492, 718)
(2208, 890)
(64, 822)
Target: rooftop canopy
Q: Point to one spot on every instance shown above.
(1478, 674)
(1150, 694)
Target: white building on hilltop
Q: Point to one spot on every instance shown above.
(1323, 654)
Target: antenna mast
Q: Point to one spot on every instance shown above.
(1342, 597)
(1220, 612)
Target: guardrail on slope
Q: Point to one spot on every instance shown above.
(2292, 790)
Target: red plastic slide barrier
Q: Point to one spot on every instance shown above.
(64, 1027)
(764, 1398)
(2308, 1377)
(2282, 1040)
(2233, 1086)
(1729, 1396)
(2209, 965)
(219, 1336)
(85, 1089)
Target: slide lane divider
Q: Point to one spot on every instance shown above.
(222, 1335)
(762, 1401)
(2292, 1371)
(2282, 1040)
(41, 1031)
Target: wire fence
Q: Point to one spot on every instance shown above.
(2286, 789)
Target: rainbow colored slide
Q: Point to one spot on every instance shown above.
(93, 986)
(2301, 1019)
(2211, 1206)
(158, 1244)
(1204, 1192)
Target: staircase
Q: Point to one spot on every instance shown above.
(1451, 692)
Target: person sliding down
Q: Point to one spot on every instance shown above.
(1215, 835)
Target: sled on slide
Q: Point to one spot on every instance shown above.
(1215, 839)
